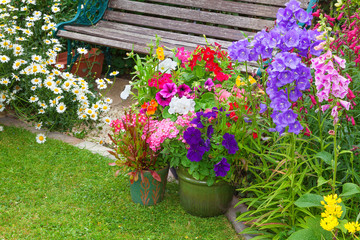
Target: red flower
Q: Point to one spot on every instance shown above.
(254, 134)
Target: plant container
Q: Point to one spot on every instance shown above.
(199, 199)
(148, 191)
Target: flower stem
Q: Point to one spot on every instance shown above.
(335, 160)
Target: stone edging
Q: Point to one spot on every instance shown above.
(9, 120)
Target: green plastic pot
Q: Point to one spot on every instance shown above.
(199, 199)
(148, 191)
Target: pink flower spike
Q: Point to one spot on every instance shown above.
(345, 104)
(352, 121)
(350, 95)
(325, 107)
(340, 16)
(340, 61)
(313, 100)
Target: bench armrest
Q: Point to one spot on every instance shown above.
(89, 12)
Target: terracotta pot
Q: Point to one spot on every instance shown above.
(148, 191)
(199, 199)
(94, 58)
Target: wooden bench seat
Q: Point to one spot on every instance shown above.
(131, 25)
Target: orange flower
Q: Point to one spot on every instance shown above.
(154, 103)
(151, 110)
(145, 105)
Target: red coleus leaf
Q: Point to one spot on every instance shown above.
(155, 175)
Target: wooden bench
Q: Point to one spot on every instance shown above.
(128, 25)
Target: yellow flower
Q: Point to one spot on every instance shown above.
(252, 80)
(331, 199)
(239, 82)
(333, 209)
(352, 227)
(329, 223)
(160, 53)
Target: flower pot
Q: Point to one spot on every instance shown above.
(81, 68)
(199, 199)
(148, 191)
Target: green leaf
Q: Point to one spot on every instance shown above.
(166, 114)
(350, 189)
(325, 156)
(341, 225)
(210, 181)
(196, 175)
(309, 200)
(321, 181)
(199, 71)
(302, 234)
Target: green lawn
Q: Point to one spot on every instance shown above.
(56, 191)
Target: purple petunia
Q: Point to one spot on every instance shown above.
(192, 136)
(210, 131)
(208, 84)
(195, 153)
(169, 90)
(230, 143)
(222, 168)
(183, 89)
(163, 101)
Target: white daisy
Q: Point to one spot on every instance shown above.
(61, 108)
(38, 126)
(40, 138)
(114, 73)
(107, 120)
(33, 99)
(4, 58)
(82, 50)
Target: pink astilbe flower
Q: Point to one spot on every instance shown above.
(129, 119)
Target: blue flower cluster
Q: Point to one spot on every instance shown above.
(288, 76)
(199, 140)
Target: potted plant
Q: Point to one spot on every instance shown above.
(132, 150)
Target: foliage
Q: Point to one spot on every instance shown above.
(132, 148)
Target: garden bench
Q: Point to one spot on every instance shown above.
(131, 25)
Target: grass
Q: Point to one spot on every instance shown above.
(57, 191)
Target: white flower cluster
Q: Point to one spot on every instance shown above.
(181, 105)
(31, 70)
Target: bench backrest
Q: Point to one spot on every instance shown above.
(220, 19)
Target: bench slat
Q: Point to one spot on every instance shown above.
(102, 41)
(226, 6)
(189, 14)
(130, 37)
(163, 34)
(279, 3)
(172, 25)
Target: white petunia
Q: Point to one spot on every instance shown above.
(181, 105)
(125, 94)
(166, 66)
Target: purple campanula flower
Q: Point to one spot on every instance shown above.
(208, 84)
(303, 84)
(263, 107)
(169, 90)
(183, 89)
(239, 51)
(293, 5)
(195, 153)
(291, 39)
(295, 127)
(192, 136)
(303, 71)
(302, 16)
(292, 61)
(280, 103)
(295, 94)
(253, 55)
(222, 168)
(163, 101)
(278, 65)
(284, 78)
(230, 143)
(283, 14)
(288, 117)
(287, 26)
(242, 54)
(267, 53)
